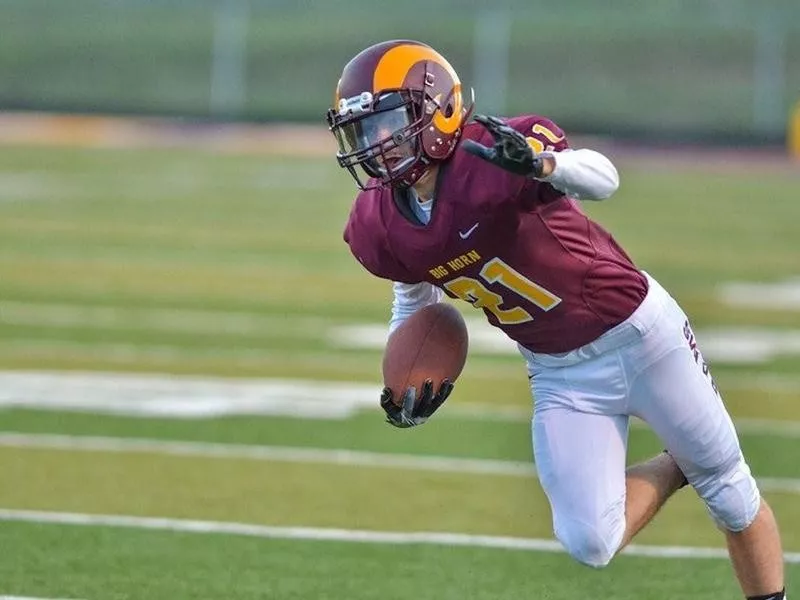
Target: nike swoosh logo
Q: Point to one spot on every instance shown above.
(465, 234)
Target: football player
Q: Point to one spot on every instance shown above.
(487, 211)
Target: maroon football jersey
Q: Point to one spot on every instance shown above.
(542, 271)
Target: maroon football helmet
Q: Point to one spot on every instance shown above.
(398, 108)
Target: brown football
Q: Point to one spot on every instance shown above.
(430, 344)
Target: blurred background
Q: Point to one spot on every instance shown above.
(688, 70)
(184, 335)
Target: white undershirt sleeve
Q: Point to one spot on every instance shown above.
(409, 297)
(583, 174)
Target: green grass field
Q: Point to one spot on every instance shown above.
(192, 263)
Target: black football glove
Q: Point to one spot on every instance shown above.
(413, 412)
(511, 150)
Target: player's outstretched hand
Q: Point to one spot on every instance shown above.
(511, 150)
(414, 411)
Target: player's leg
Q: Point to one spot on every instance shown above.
(580, 438)
(756, 555)
(580, 460)
(699, 434)
(648, 485)
(672, 390)
(598, 505)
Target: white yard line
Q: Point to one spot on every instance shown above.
(195, 397)
(779, 295)
(344, 535)
(158, 319)
(784, 429)
(182, 396)
(335, 456)
(737, 345)
(511, 414)
(722, 344)
(31, 598)
(268, 453)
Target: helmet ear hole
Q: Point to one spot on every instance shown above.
(448, 111)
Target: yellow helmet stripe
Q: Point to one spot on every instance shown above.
(393, 67)
(449, 125)
(397, 62)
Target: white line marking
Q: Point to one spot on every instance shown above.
(443, 464)
(26, 186)
(345, 535)
(158, 319)
(483, 337)
(781, 383)
(781, 295)
(269, 453)
(734, 345)
(30, 598)
(172, 396)
(779, 484)
(182, 396)
(510, 414)
(740, 345)
(787, 429)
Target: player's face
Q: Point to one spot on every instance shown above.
(382, 129)
(381, 135)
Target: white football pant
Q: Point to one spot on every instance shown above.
(648, 367)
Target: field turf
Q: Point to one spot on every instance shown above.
(187, 262)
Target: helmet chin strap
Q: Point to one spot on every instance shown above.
(424, 185)
(417, 171)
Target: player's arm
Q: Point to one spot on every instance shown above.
(584, 174)
(415, 406)
(409, 298)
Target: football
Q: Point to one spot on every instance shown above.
(430, 344)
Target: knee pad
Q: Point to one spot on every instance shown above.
(592, 544)
(732, 498)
